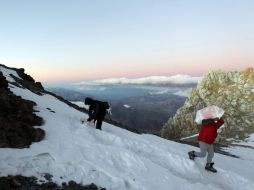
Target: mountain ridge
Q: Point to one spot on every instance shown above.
(232, 91)
(17, 117)
(19, 128)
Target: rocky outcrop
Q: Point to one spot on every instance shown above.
(232, 91)
(17, 119)
(25, 183)
(17, 130)
(3, 83)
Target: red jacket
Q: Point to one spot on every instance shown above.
(208, 132)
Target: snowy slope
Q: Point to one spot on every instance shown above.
(80, 104)
(115, 158)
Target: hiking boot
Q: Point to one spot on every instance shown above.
(209, 167)
(192, 155)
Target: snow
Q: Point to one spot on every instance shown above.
(115, 158)
(7, 74)
(80, 104)
(126, 106)
(243, 149)
(247, 142)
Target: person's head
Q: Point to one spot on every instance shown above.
(88, 101)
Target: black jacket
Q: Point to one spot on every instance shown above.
(96, 109)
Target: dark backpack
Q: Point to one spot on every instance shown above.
(104, 106)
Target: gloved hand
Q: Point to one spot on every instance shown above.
(89, 119)
(216, 119)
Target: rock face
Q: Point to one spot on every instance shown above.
(25, 183)
(232, 91)
(17, 130)
(17, 118)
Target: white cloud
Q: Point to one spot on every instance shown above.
(90, 87)
(175, 79)
(164, 91)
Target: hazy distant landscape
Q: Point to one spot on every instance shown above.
(142, 107)
(146, 113)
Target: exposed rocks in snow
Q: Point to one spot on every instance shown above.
(231, 91)
(25, 183)
(25, 80)
(3, 82)
(13, 108)
(17, 119)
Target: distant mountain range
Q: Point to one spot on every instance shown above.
(142, 103)
(142, 107)
(146, 113)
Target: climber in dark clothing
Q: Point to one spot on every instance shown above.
(97, 111)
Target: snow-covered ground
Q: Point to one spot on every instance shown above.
(116, 158)
(80, 104)
(243, 149)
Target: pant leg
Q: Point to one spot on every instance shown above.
(98, 124)
(210, 155)
(203, 149)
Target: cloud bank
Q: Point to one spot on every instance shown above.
(153, 80)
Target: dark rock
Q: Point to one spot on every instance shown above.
(72, 183)
(30, 183)
(38, 84)
(49, 185)
(16, 120)
(93, 186)
(3, 82)
(48, 177)
(30, 85)
(24, 76)
(38, 135)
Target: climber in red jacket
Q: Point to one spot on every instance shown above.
(206, 138)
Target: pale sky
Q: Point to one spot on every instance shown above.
(75, 40)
